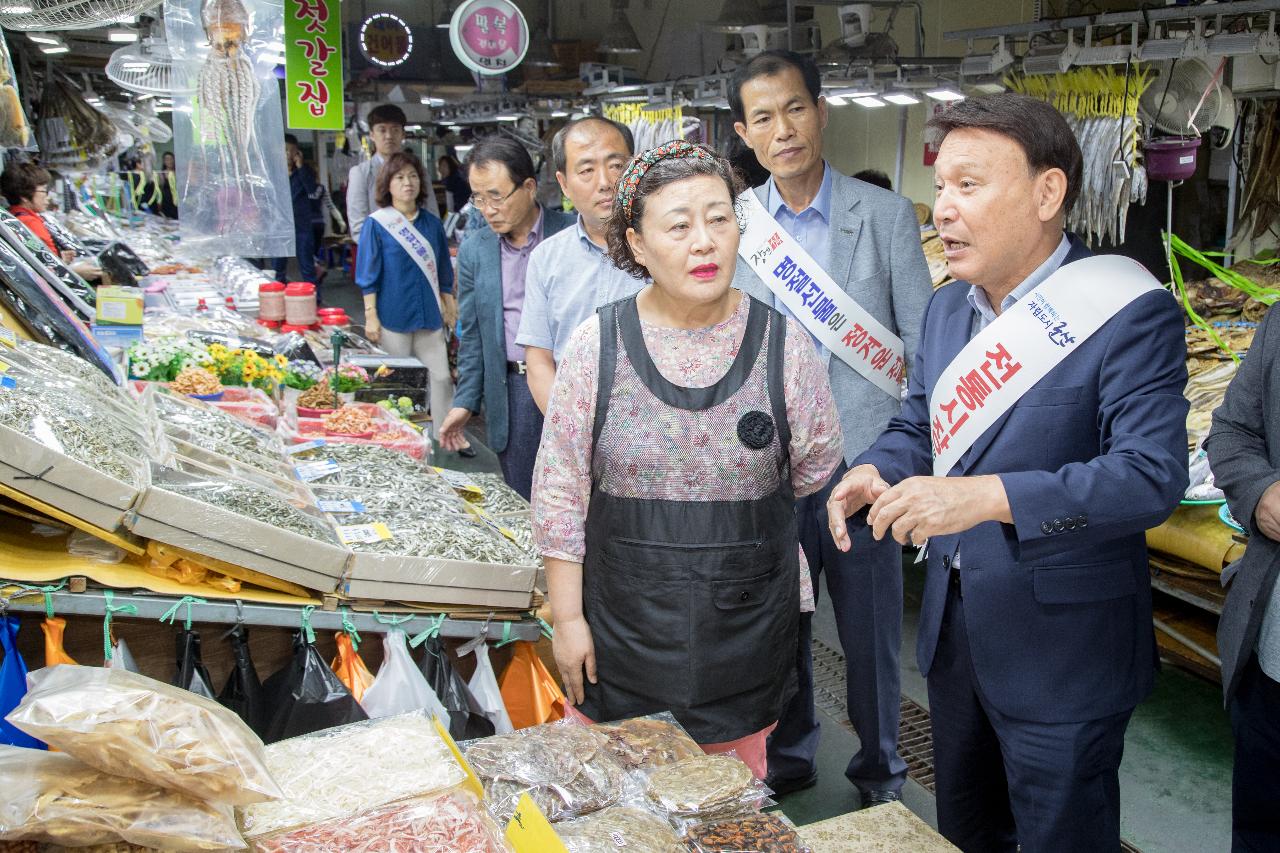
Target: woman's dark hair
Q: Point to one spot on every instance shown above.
(661, 174)
(508, 152)
(1039, 129)
(19, 181)
(768, 64)
(450, 161)
(396, 163)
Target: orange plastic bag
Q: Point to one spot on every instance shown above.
(54, 653)
(530, 693)
(350, 668)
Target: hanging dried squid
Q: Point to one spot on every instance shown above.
(228, 90)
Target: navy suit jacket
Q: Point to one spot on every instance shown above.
(1058, 604)
(482, 337)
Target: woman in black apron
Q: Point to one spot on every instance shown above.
(670, 462)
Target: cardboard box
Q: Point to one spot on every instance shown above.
(121, 306)
(47, 475)
(428, 579)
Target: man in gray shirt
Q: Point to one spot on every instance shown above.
(569, 275)
(1244, 450)
(386, 129)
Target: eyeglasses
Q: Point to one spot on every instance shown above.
(491, 199)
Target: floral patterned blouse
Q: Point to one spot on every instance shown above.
(693, 358)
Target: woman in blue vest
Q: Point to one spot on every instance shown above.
(405, 272)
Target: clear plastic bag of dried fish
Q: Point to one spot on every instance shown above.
(445, 537)
(233, 190)
(565, 768)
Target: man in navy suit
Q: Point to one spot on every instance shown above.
(1035, 628)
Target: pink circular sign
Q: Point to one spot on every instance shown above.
(489, 36)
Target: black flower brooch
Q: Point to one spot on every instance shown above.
(755, 430)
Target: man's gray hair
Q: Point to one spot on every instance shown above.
(557, 142)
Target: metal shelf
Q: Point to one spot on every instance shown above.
(93, 603)
(1145, 16)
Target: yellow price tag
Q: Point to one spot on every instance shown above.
(529, 831)
(472, 782)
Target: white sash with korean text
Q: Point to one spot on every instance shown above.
(412, 241)
(832, 316)
(1022, 345)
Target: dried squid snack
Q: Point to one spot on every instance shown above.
(619, 828)
(346, 770)
(704, 788)
(127, 724)
(757, 833)
(564, 767)
(647, 742)
(452, 822)
(54, 798)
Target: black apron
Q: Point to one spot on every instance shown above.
(693, 604)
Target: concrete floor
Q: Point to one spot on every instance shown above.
(1175, 780)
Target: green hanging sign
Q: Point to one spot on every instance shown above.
(313, 64)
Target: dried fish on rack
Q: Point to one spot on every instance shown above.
(446, 538)
(227, 88)
(252, 502)
(68, 423)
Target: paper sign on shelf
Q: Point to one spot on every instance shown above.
(315, 470)
(351, 534)
(472, 782)
(344, 507)
(461, 482)
(305, 446)
(529, 831)
(8, 337)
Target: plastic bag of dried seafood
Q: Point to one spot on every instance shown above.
(130, 725)
(754, 833)
(450, 822)
(566, 768)
(54, 798)
(703, 789)
(233, 194)
(343, 771)
(619, 828)
(645, 743)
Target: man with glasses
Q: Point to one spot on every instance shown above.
(570, 274)
(491, 285)
(386, 129)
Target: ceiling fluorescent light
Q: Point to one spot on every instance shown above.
(122, 35)
(43, 38)
(945, 94)
(869, 102)
(1190, 46)
(975, 64)
(1054, 59)
(1106, 54)
(412, 128)
(902, 99)
(836, 100)
(1244, 44)
(52, 49)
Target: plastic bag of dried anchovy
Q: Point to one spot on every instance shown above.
(233, 181)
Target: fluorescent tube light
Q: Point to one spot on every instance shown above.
(868, 102)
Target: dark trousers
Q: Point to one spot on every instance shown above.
(866, 593)
(1255, 783)
(305, 247)
(524, 434)
(1003, 782)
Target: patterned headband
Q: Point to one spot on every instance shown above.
(677, 149)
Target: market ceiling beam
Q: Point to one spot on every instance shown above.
(1146, 16)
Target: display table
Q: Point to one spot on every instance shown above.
(890, 828)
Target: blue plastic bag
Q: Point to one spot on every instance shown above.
(13, 684)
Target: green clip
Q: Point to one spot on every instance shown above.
(432, 630)
(109, 611)
(171, 615)
(393, 621)
(306, 623)
(350, 628)
(547, 630)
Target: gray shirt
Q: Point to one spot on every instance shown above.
(568, 278)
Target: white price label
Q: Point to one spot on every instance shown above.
(305, 446)
(343, 507)
(7, 336)
(315, 470)
(351, 534)
(457, 479)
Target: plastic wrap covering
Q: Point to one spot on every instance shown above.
(56, 799)
(64, 280)
(72, 425)
(239, 279)
(445, 538)
(452, 822)
(129, 725)
(391, 434)
(196, 454)
(564, 767)
(233, 197)
(46, 312)
(218, 320)
(619, 828)
(15, 131)
(643, 743)
(242, 503)
(216, 430)
(375, 469)
(59, 361)
(704, 788)
(250, 405)
(41, 365)
(341, 772)
(757, 833)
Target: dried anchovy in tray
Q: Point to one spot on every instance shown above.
(380, 504)
(217, 445)
(499, 498)
(447, 538)
(253, 502)
(68, 424)
(349, 453)
(54, 360)
(216, 426)
(409, 480)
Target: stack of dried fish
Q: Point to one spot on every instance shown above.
(498, 498)
(446, 537)
(70, 131)
(1205, 390)
(262, 505)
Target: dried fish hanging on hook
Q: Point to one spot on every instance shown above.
(227, 88)
(1100, 106)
